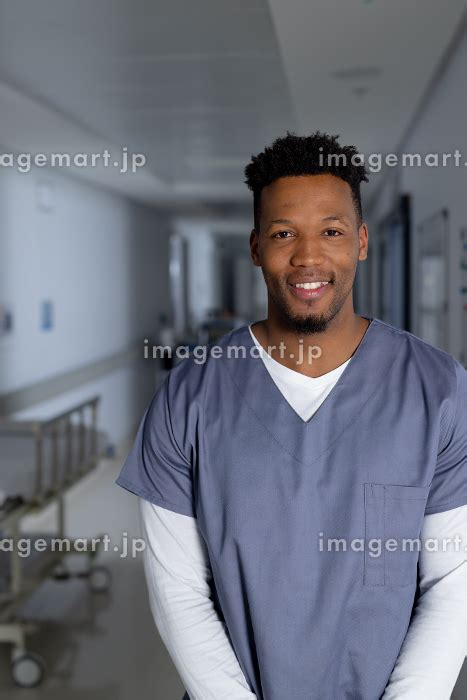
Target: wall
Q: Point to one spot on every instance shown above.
(439, 129)
(103, 261)
(202, 281)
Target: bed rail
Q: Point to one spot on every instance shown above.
(73, 444)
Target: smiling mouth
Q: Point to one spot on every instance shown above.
(309, 290)
(310, 285)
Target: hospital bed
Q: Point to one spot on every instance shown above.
(39, 461)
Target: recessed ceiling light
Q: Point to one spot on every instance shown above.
(360, 90)
(357, 73)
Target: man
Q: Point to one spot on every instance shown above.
(329, 426)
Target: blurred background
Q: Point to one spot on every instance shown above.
(100, 262)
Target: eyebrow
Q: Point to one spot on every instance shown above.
(332, 217)
(279, 221)
(336, 217)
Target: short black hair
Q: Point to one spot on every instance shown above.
(293, 155)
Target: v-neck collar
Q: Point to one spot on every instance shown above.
(292, 376)
(338, 410)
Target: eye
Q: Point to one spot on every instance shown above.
(279, 234)
(333, 231)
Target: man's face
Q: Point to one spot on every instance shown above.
(309, 233)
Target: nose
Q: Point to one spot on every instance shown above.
(307, 252)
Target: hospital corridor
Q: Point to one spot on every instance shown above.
(164, 191)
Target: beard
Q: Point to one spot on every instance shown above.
(306, 323)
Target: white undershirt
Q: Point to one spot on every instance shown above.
(177, 571)
(304, 394)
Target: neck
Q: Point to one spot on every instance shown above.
(313, 354)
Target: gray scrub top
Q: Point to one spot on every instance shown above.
(388, 445)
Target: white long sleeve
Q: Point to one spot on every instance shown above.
(178, 572)
(435, 645)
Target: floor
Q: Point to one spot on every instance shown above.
(101, 646)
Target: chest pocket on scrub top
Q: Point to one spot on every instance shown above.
(392, 512)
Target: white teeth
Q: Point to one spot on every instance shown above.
(310, 285)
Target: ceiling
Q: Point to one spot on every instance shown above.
(361, 68)
(199, 87)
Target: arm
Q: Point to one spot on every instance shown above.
(435, 646)
(177, 573)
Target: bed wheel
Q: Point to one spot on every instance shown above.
(28, 670)
(99, 579)
(61, 573)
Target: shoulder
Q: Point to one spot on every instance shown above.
(440, 378)
(429, 360)
(189, 380)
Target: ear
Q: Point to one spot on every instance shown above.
(254, 248)
(363, 242)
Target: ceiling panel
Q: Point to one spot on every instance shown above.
(189, 84)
